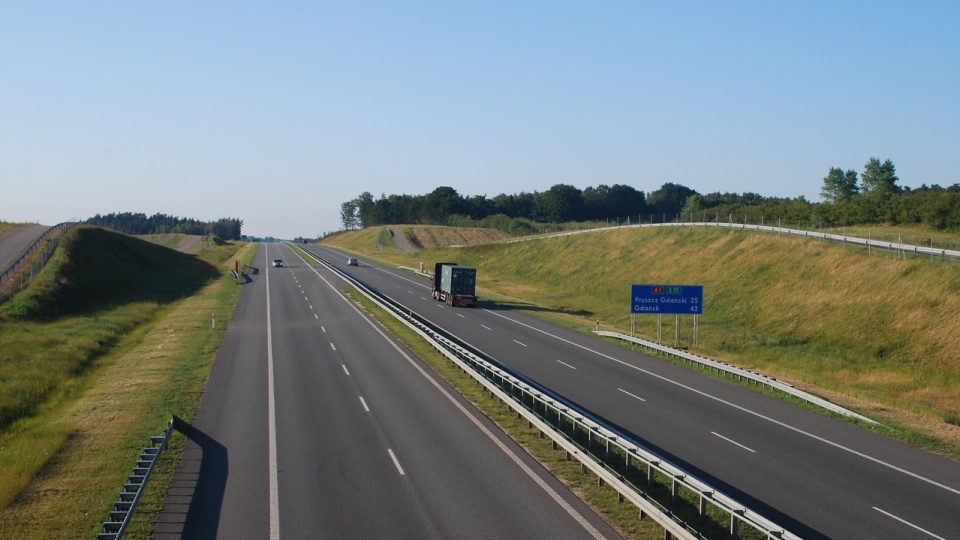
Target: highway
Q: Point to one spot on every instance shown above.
(13, 242)
(818, 477)
(316, 424)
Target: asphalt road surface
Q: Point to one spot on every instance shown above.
(13, 242)
(315, 424)
(818, 477)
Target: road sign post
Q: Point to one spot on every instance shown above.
(667, 300)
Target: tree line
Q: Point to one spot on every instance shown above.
(849, 198)
(561, 203)
(139, 223)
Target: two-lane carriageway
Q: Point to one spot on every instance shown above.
(316, 424)
(816, 476)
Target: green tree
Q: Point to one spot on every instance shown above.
(366, 210)
(349, 216)
(669, 199)
(839, 186)
(879, 178)
(440, 204)
(693, 207)
(558, 204)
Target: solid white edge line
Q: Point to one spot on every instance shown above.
(905, 522)
(731, 441)
(272, 425)
(364, 403)
(570, 510)
(631, 395)
(824, 440)
(396, 462)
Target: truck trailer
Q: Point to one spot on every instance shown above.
(455, 285)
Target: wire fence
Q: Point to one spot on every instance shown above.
(25, 269)
(905, 236)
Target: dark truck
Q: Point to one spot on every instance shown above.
(455, 285)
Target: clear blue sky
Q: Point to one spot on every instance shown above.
(277, 114)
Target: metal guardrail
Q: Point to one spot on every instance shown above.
(53, 234)
(899, 247)
(416, 271)
(122, 511)
(528, 398)
(740, 373)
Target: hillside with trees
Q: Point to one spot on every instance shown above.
(139, 223)
(873, 196)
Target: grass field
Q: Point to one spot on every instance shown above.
(874, 331)
(111, 341)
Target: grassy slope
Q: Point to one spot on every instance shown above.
(96, 268)
(434, 237)
(870, 326)
(130, 346)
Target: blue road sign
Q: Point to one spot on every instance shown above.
(667, 299)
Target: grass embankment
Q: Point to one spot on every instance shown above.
(913, 235)
(111, 340)
(166, 240)
(437, 237)
(874, 331)
(377, 239)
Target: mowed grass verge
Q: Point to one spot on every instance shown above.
(113, 362)
(872, 331)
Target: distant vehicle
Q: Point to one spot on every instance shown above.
(278, 263)
(455, 285)
(352, 261)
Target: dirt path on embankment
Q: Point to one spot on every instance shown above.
(401, 241)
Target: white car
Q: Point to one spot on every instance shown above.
(352, 261)
(278, 263)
